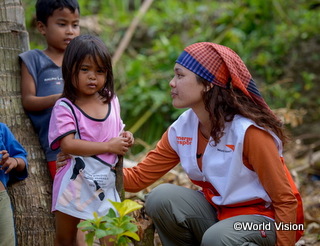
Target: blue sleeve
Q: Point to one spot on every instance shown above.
(15, 149)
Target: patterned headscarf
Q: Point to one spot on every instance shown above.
(221, 66)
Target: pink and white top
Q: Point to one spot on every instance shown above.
(85, 184)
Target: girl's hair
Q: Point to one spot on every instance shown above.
(78, 49)
(223, 104)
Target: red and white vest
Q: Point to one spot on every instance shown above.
(227, 183)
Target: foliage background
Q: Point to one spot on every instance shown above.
(270, 36)
(279, 41)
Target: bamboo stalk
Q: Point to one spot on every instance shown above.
(130, 31)
(119, 177)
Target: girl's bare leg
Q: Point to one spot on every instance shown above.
(66, 229)
(81, 239)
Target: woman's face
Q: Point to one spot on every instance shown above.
(186, 91)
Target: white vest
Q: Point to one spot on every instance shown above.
(222, 165)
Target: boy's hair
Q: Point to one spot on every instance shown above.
(77, 50)
(45, 8)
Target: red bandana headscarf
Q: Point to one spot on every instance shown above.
(221, 66)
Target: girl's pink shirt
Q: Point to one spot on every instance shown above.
(63, 123)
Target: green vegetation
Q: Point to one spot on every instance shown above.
(278, 40)
(116, 223)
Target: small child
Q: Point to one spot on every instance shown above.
(41, 76)
(13, 167)
(86, 124)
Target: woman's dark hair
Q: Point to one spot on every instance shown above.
(224, 103)
(77, 50)
(45, 8)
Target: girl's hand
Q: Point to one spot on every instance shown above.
(129, 137)
(62, 159)
(118, 145)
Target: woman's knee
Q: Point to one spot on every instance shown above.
(223, 232)
(157, 196)
(213, 234)
(160, 198)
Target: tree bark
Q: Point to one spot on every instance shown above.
(31, 198)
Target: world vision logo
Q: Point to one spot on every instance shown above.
(184, 140)
(230, 148)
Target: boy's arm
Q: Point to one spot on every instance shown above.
(30, 101)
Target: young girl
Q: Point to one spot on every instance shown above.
(86, 124)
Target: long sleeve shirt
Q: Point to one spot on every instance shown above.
(261, 158)
(15, 149)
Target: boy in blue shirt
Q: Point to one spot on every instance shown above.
(13, 167)
(41, 76)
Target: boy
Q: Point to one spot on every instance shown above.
(41, 76)
(13, 167)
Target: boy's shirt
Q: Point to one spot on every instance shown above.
(8, 142)
(48, 81)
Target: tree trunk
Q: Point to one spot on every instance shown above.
(31, 198)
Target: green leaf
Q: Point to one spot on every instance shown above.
(111, 213)
(123, 241)
(130, 227)
(132, 235)
(126, 207)
(86, 225)
(89, 238)
(126, 219)
(101, 233)
(116, 230)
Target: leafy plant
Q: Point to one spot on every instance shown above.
(277, 39)
(117, 224)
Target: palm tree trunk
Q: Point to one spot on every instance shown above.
(31, 198)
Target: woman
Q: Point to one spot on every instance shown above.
(229, 143)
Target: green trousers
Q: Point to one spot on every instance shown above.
(184, 217)
(7, 230)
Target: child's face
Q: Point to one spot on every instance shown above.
(61, 28)
(91, 78)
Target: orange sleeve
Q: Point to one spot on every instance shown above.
(156, 164)
(260, 154)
